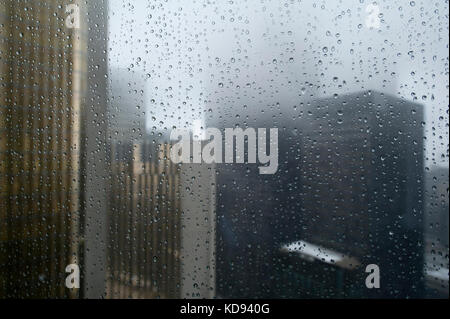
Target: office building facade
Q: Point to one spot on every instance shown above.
(43, 82)
(350, 185)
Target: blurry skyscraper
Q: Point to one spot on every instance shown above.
(348, 193)
(43, 75)
(436, 232)
(128, 101)
(144, 222)
(144, 201)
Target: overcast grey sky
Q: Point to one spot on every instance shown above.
(197, 56)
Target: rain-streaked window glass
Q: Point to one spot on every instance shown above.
(224, 149)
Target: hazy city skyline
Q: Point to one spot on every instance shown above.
(207, 57)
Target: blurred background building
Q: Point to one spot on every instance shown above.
(348, 193)
(161, 232)
(160, 215)
(436, 232)
(144, 223)
(143, 251)
(128, 99)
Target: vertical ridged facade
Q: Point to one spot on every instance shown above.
(43, 76)
(144, 223)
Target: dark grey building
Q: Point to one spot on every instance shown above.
(347, 194)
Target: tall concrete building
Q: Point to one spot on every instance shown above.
(436, 231)
(43, 78)
(144, 217)
(161, 239)
(48, 94)
(348, 193)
